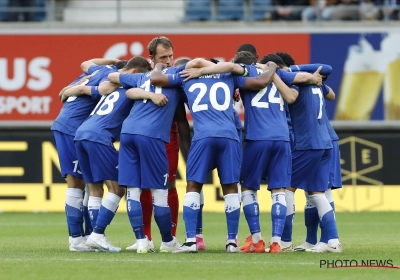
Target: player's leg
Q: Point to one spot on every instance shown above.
(327, 216)
(86, 217)
(286, 238)
(74, 193)
(200, 161)
(279, 177)
(129, 175)
(96, 193)
(252, 168)
(172, 149)
(227, 158)
(146, 199)
(154, 167)
(201, 246)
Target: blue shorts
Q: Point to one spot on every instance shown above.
(271, 160)
(67, 154)
(214, 152)
(311, 169)
(143, 162)
(335, 173)
(98, 162)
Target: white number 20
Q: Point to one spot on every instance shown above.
(213, 96)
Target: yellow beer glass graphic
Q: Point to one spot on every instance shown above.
(390, 48)
(361, 82)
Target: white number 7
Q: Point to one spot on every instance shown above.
(166, 178)
(321, 102)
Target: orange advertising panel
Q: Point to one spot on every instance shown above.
(34, 68)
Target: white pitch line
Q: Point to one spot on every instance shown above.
(190, 260)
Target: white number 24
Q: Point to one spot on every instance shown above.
(271, 98)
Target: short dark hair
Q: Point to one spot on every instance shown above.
(274, 58)
(248, 48)
(121, 64)
(181, 61)
(287, 58)
(139, 63)
(164, 41)
(245, 58)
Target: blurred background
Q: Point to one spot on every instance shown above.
(43, 43)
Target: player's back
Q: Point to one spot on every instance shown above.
(148, 119)
(105, 122)
(309, 128)
(265, 116)
(210, 102)
(76, 109)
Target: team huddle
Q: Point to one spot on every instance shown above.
(288, 141)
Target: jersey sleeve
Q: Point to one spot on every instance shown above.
(129, 80)
(239, 81)
(175, 80)
(78, 79)
(93, 68)
(311, 68)
(325, 89)
(286, 77)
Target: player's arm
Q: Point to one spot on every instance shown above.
(304, 77)
(114, 78)
(328, 92)
(157, 77)
(137, 93)
(97, 61)
(262, 80)
(183, 128)
(289, 94)
(220, 68)
(106, 87)
(81, 81)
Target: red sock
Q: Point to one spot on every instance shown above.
(173, 202)
(146, 199)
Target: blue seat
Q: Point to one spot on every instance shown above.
(230, 10)
(198, 10)
(3, 14)
(260, 8)
(39, 16)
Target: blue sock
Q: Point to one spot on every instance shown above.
(88, 223)
(232, 213)
(199, 227)
(287, 230)
(103, 220)
(328, 227)
(73, 210)
(94, 204)
(135, 215)
(278, 216)
(74, 220)
(327, 220)
(311, 220)
(108, 208)
(278, 213)
(252, 214)
(162, 216)
(191, 208)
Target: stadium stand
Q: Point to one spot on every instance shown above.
(230, 10)
(198, 10)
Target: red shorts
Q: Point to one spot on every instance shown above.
(172, 155)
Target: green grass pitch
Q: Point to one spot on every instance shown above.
(35, 246)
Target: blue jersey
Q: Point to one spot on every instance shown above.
(309, 128)
(77, 109)
(146, 118)
(237, 120)
(332, 132)
(265, 116)
(105, 122)
(210, 102)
